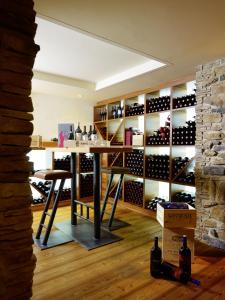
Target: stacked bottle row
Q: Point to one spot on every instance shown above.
(185, 135)
(135, 162)
(188, 178)
(184, 101)
(62, 163)
(117, 111)
(86, 185)
(152, 204)
(44, 187)
(184, 197)
(133, 192)
(178, 163)
(86, 162)
(39, 200)
(158, 104)
(157, 167)
(161, 137)
(135, 109)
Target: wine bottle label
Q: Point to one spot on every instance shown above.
(78, 136)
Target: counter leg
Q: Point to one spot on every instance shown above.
(73, 188)
(96, 183)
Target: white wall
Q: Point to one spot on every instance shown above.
(49, 110)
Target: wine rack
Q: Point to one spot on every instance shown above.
(157, 167)
(152, 204)
(135, 162)
(157, 104)
(133, 192)
(86, 163)
(86, 185)
(184, 197)
(134, 110)
(62, 163)
(184, 101)
(163, 162)
(184, 135)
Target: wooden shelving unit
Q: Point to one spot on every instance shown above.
(148, 123)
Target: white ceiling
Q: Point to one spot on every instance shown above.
(72, 54)
(183, 33)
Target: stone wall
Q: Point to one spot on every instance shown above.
(210, 156)
(17, 55)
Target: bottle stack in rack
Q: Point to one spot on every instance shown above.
(86, 185)
(135, 109)
(86, 163)
(185, 135)
(178, 164)
(157, 167)
(152, 204)
(184, 101)
(62, 163)
(158, 104)
(184, 197)
(133, 192)
(135, 162)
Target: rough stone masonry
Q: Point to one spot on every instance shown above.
(210, 153)
(17, 55)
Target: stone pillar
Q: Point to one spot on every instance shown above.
(17, 55)
(210, 157)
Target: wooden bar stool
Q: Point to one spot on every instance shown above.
(52, 175)
(113, 171)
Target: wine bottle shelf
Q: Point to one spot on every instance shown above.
(166, 117)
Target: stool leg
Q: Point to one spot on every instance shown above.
(106, 197)
(55, 205)
(115, 200)
(48, 201)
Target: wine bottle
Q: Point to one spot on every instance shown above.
(119, 111)
(94, 136)
(90, 133)
(71, 133)
(78, 133)
(185, 257)
(169, 271)
(84, 134)
(155, 260)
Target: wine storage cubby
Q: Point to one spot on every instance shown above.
(135, 162)
(86, 163)
(133, 192)
(86, 185)
(166, 117)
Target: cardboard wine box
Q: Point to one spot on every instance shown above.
(172, 241)
(176, 218)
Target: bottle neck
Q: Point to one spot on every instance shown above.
(184, 241)
(156, 242)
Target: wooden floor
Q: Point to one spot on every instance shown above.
(120, 270)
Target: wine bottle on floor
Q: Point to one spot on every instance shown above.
(185, 257)
(155, 260)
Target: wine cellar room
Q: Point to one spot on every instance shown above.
(112, 173)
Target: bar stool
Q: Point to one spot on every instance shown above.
(52, 175)
(113, 171)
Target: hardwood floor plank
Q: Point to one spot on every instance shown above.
(120, 270)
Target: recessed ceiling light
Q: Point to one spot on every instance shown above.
(130, 73)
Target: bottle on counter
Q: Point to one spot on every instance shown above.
(90, 133)
(71, 133)
(94, 135)
(155, 260)
(78, 133)
(84, 134)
